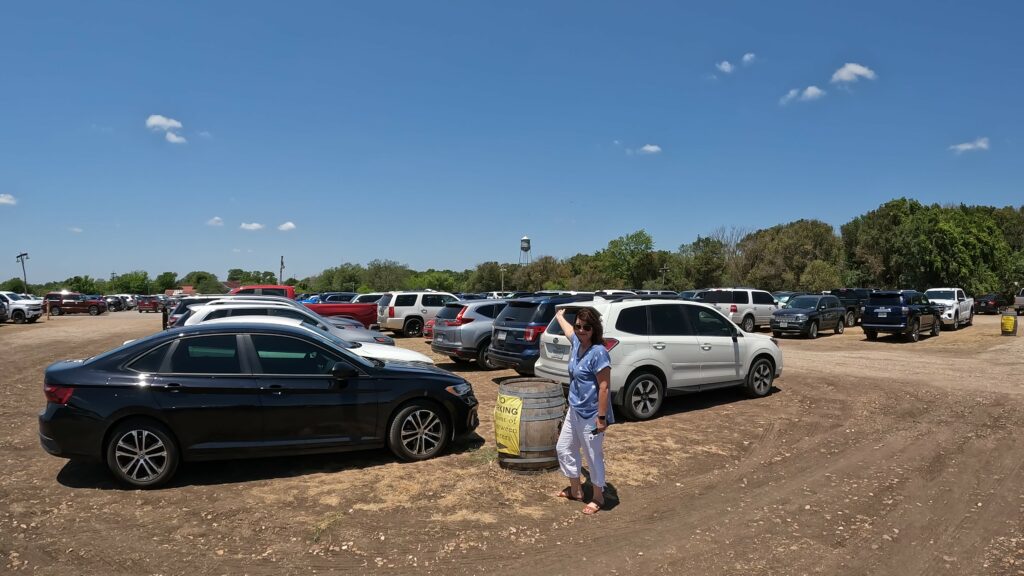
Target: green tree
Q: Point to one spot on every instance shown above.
(14, 285)
(165, 281)
(819, 276)
(775, 258)
(629, 258)
(386, 275)
(135, 282)
(706, 258)
(203, 282)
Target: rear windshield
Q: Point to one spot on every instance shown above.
(449, 312)
(384, 300)
(885, 299)
(715, 296)
(525, 312)
(941, 294)
(555, 328)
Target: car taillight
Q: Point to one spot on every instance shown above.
(991, 302)
(57, 394)
(532, 332)
(391, 311)
(459, 319)
(610, 343)
(733, 309)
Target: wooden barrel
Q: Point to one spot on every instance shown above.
(543, 408)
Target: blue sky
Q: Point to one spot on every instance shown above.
(438, 133)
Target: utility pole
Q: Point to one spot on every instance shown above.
(280, 275)
(664, 272)
(21, 258)
(502, 268)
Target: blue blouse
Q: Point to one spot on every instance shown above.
(583, 378)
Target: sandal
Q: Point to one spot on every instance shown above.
(567, 494)
(593, 508)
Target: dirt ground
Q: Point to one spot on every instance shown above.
(869, 458)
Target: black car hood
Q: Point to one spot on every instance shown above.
(793, 311)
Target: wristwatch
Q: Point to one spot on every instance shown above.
(599, 417)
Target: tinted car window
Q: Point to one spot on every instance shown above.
(832, 302)
(885, 299)
(222, 313)
(708, 323)
(274, 292)
(206, 355)
(434, 300)
(246, 291)
(249, 312)
(284, 355)
(555, 328)
(288, 313)
(385, 300)
(740, 297)
(519, 311)
(669, 320)
(150, 361)
(405, 300)
(448, 312)
(632, 320)
(715, 296)
(763, 298)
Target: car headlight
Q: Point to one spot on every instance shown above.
(800, 318)
(460, 389)
(384, 340)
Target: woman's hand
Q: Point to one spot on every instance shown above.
(560, 313)
(600, 426)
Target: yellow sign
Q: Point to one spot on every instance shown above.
(506, 423)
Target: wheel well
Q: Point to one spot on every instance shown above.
(767, 357)
(442, 409)
(649, 369)
(113, 426)
(407, 318)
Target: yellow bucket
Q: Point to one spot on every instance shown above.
(1009, 323)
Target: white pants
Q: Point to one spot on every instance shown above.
(576, 434)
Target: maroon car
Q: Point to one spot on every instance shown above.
(74, 303)
(148, 304)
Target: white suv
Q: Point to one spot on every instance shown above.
(661, 347)
(405, 313)
(745, 306)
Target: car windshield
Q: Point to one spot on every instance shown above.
(803, 302)
(14, 297)
(941, 294)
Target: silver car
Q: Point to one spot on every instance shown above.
(462, 330)
(346, 328)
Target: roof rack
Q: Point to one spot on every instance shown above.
(642, 297)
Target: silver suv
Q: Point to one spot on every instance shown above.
(405, 313)
(462, 331)
(747, 307)
(661, 347)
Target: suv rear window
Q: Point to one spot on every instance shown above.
(524, 312)
(716, 297)
(763, 298)
(555, 328)
(632, 320)
(449, 312)
(385, 300)
(405, 300)
(885, 299)
(274, 292)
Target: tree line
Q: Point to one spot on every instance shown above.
(901, 244)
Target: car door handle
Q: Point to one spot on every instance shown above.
(705, 347)
(275, 389)
(658, 345)
(173, 387)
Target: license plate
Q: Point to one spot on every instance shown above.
(500, 335)
(557, 352)
(439, 337)
(783, 324)
(882, 314)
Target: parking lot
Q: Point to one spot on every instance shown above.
(869, 458)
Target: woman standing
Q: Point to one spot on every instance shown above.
(589, 406)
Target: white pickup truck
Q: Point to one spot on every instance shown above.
(957, 308)
(1018, 302)
(21, 309)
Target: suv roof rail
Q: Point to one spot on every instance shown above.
(625, 297)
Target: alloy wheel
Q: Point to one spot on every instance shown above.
(762, 379)
(646, 397)
(422, 432)
(140, 455)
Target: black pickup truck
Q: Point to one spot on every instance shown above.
(853, 299)
(906, 312)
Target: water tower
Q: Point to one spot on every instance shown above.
(524, 250)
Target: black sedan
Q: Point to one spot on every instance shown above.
(241, 390)
(990, 304)
(809, 314)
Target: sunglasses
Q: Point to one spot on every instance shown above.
(584, 327)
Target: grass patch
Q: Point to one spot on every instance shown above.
(325, 525)
(484, 455)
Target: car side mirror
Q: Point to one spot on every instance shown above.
(343, 371)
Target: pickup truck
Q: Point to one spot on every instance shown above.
(21, 309)
(1018, 302)
(957, 308)
(364, 313)
(853, 299)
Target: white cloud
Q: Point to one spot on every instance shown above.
(809, 93)
(851, 72)
(286, 226)
(749, 58)
(979, 144)
(76, 230)
(8, 199)
(215, 221)
(617, 142)
(157, 122)
(649, 149)
(205, 134)
(174, 138)
(724, 66)
(251, 226)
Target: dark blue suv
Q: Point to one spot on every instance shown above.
(515, 337)
(906, 312)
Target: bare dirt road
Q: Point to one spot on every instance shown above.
(869, 458)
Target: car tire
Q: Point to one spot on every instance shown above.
(418, 431)
(413, 327)
(871, 335)
(748, 324)
(851, 319)
(759, 378)
(936, 327)
(458, 360)
(55, 310)
(18, 317)
(840, 326)
(33, 320)
(483, 359)
(812, 331)
(956, 322)
(914, 335)
(142, 453)
(643, 396)
(522, 372)
(94, 311)
(970, 318)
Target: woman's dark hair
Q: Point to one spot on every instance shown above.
(590, 316)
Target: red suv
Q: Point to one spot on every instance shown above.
(74, 303)
(148, 304)
(266, 290)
